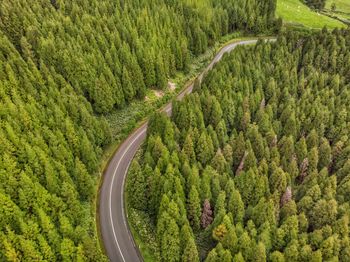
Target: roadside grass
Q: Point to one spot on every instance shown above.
(143, 232)
(294, 12)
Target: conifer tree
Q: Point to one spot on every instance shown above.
(205, 149)
(207, 214)
(170, 243)
(194, 208)
(136, 187)
(189, 252)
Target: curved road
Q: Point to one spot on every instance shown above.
(118, 242)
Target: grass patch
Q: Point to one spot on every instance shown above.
(294, 12)
(342, 10)
(143, 232)
(341, 5)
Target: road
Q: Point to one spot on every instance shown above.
(118, 242)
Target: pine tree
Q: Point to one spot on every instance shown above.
(207, 214)
(212, 256)
(149, 69)
(277, 256)
(128, 89)
(194, 208)
(236, 206)
(231, 240)
(323, 213)
(325, 154)
(102, 94)
(205, 149)
(161, 80)
(219, 233)
(136, 187)
(190, 252)
(219, 162)
(260, 252)
(188, 149)
(278, 181)
(170, 244)
(216, 113)
(313, 159)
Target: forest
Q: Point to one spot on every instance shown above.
(63, 66)
(111, 51)
(316, 4)
(255, 164)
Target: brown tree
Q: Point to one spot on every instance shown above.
(207, 214)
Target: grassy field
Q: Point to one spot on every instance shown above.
(342, 10)
(294, 12)
(342, 5)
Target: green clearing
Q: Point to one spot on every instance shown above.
(342, 5)
(296, 13)
(342, 9)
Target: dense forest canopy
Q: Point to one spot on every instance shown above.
(61, 63)
(111, 51)
(255, 165)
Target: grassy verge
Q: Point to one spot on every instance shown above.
(143, 232)
(295, 13)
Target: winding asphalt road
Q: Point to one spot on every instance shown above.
(118, 242)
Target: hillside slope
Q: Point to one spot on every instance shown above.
(294, 12)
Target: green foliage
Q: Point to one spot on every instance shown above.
(190, 252)
(279, 178)
(316, 4)
(112, 51)
(63, 66)
(136, 187)
(51, 143)
(339, 9)
(194, 208)
(170, 246)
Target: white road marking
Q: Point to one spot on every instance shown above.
(111, 188)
